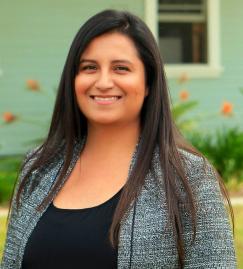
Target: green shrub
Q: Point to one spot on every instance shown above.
(9, 167)
(6, 186)
(179, 111)
(224, 150)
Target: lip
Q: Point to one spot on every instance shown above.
(106, 102)
(104, 96)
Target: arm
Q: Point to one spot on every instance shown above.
(213, 246)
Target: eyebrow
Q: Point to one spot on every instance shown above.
(114, 61)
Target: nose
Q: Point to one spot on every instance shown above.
(104, 80)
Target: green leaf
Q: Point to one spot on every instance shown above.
(179, 109)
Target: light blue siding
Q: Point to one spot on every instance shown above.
(34, 40)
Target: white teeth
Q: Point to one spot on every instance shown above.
(112, 98)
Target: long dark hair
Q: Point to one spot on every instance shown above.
(69, 125)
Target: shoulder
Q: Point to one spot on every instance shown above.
(190, 159)
(196, 165)
(201, 176)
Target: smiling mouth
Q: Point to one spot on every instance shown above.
(105, 100)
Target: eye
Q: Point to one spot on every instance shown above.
(88, 68)
(121, 68)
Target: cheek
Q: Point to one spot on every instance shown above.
(134, 86)
(81, 84)
(139, 92)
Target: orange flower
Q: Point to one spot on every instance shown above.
(32, 85)
(183, 78)
(8, 117)
(184, 95)
(227, 108)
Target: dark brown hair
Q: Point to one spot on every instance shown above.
(157, 128)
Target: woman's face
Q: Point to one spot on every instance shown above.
(110, 85)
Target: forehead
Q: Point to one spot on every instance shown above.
(111, 45)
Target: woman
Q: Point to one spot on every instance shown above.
(114, 185)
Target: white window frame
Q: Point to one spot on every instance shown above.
(213, 68)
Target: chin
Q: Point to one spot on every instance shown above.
(103, 121)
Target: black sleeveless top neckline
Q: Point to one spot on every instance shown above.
(73, 238)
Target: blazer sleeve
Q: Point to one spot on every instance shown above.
(9, 252)
(213, 246)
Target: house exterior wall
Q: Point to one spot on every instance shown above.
(34, 41)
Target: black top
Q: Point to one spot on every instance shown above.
(73, 238)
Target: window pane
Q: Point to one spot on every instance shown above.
(187, 6)
(183, 31)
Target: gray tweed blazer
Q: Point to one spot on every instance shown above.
(146, 240)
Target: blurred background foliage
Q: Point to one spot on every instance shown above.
(224, 150)
(9, 167)
(222, 146)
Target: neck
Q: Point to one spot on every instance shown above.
(112, 139)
